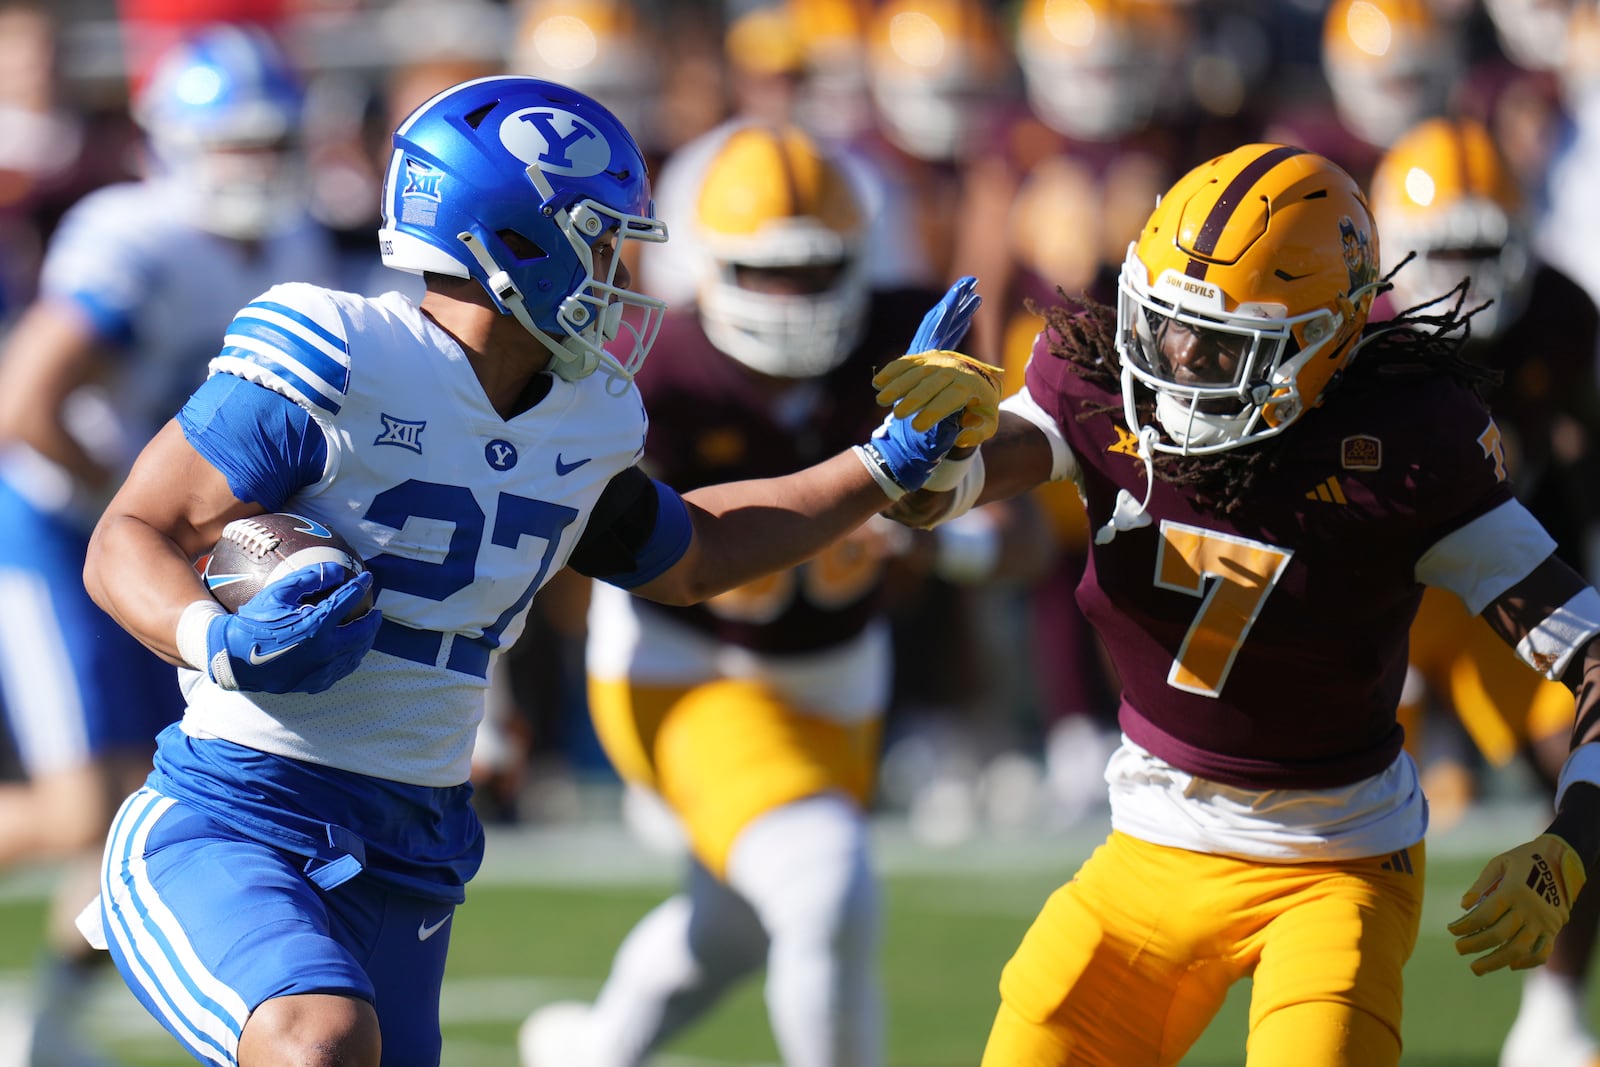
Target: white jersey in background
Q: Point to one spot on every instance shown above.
(158, 292)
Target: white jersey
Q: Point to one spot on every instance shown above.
(846, 683)
(159, 293)
(460, 514)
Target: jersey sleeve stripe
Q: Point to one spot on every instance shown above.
(328, 362)
(272, 345)
(307, 332)
(277, 375)
(1483, 558)
(310, 325)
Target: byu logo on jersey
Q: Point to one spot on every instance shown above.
(501, 454)
(557, 140)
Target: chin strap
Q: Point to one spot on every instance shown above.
(1127, 513)
(563, 362)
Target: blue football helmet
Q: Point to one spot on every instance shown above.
(515, 182)
(222, 112)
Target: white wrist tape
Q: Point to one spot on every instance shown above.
(948, 474)
(968, 548)
(869, 460)
(192, 627)
(1549, 647)
(1583, 765)
(965, 493)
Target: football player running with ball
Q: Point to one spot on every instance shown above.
(281, 888)
(1273, 482)
(139, 281)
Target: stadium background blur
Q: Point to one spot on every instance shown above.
(1022, 142)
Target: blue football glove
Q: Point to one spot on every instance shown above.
(946, 322)
(931, 381)
(276, 643)
(900, 457)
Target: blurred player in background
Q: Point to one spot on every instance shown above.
(756, 716)
(280, 890)
(137, 287)
(1388, 65)
(1272, 481)
(939, 76)
(1444, 193)
(781, 60)
(1069, 180)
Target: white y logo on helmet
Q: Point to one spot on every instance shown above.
(558, 141)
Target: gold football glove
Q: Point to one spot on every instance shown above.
(1518, 905)
(934, 385)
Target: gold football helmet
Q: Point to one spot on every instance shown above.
(785, 289)
(1096, 70)
(596, 47)
(934, 66)
(1390, 64)
(1445, 192)
(1244, 295)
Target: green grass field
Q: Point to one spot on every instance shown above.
(544, 917)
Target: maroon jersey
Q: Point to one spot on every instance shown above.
(714, 420)
(1266, 649)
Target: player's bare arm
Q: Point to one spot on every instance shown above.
(171, 509)
(1524, 896)
(1542, 595)
(51, 352)
(743, 530)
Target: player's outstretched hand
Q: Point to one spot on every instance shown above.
(901, 456)
(946, 322)
(932, 381)
(1518, 905)
(929, 387)
(278, 643)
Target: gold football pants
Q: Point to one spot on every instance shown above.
(1128, 963)
(725, 752)
(1501, 701)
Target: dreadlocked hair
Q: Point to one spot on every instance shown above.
(1425, 339)
(1428, 338)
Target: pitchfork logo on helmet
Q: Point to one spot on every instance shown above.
(530, 189)
(1358, 258)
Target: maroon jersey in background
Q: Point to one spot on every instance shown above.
(1214, 668)
(714, 420)
(1547, 356)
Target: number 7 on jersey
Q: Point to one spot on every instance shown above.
(1233, 576)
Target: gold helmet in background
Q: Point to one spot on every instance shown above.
(1444, 192)
(784, 289)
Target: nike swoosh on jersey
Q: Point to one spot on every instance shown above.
(425, 931)
(564, 469)
(257, 659)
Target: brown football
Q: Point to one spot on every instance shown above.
(255, 552)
